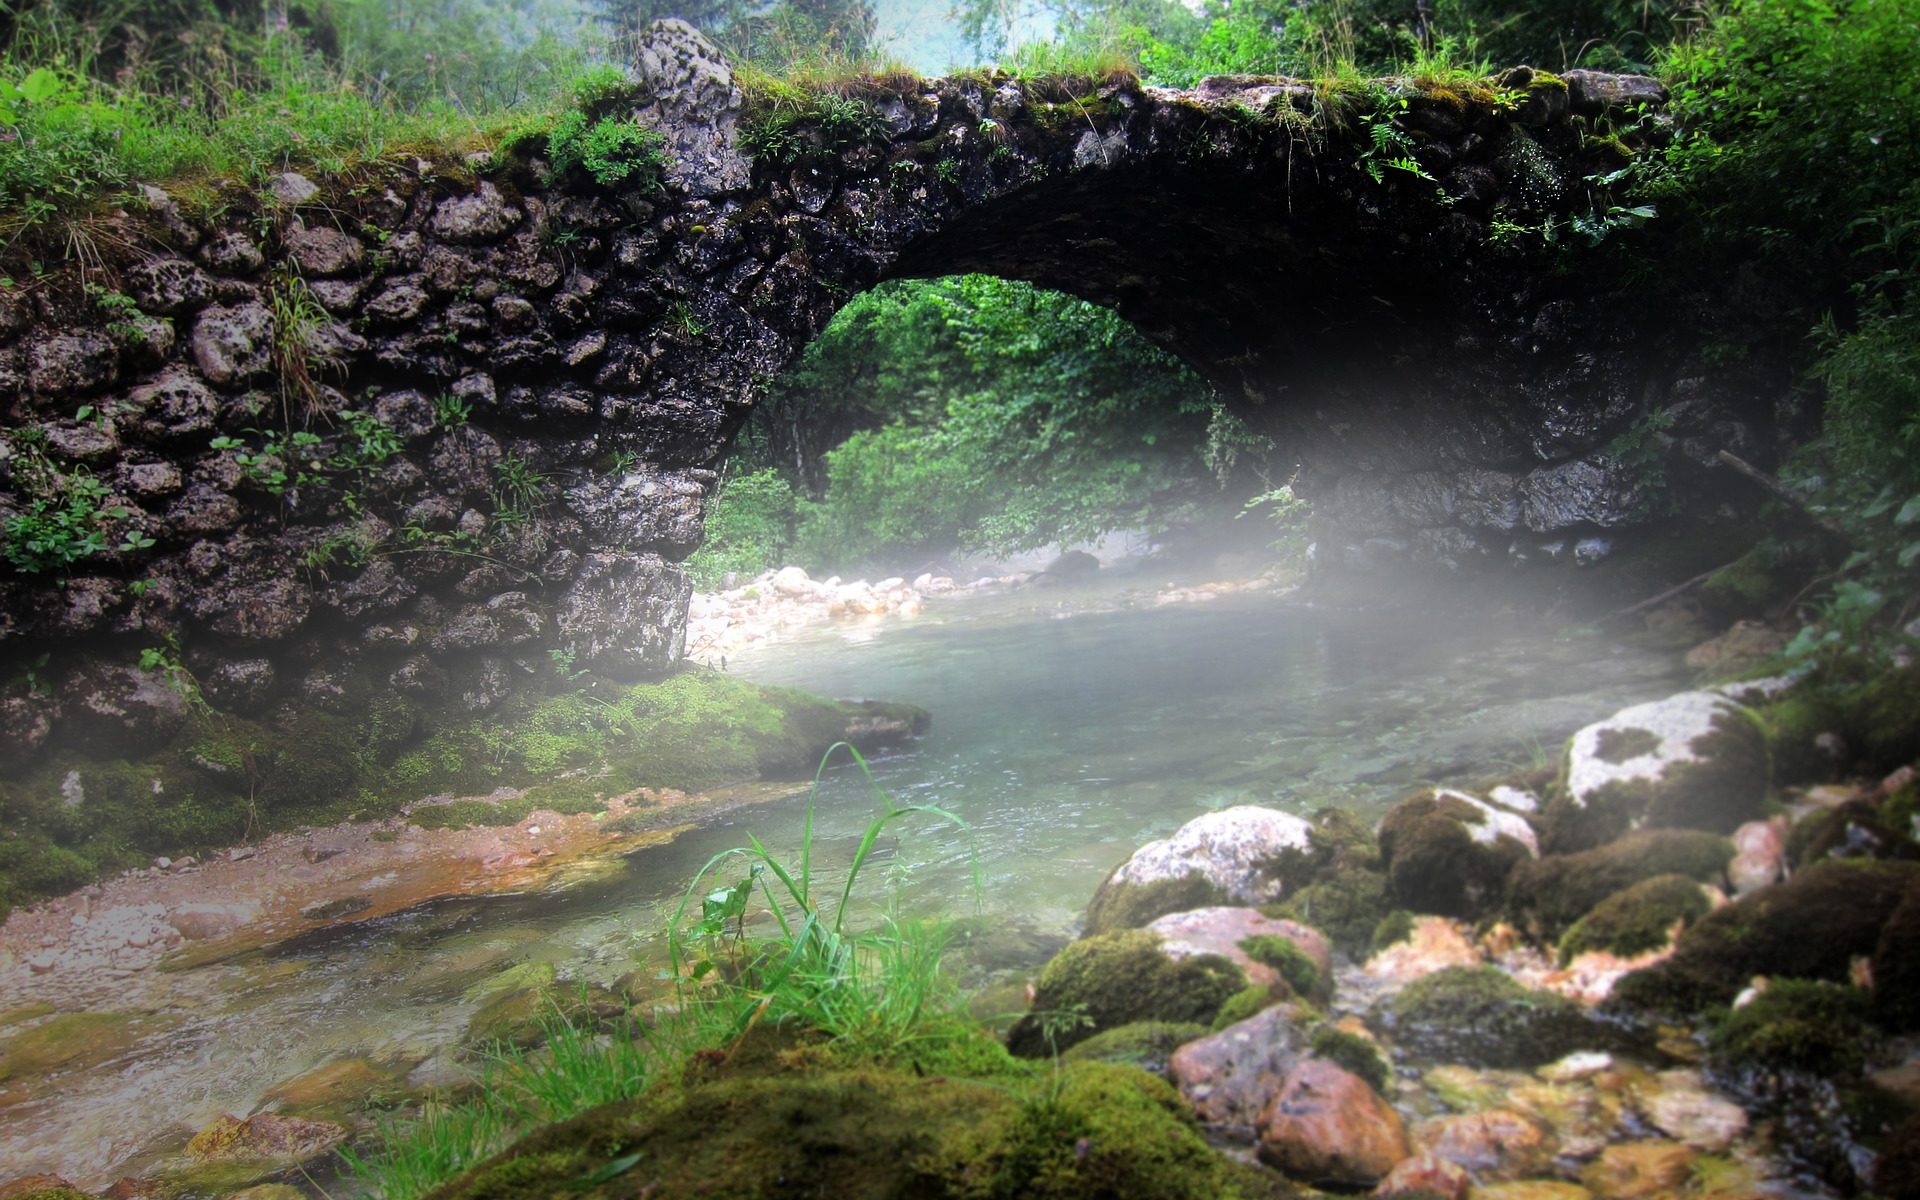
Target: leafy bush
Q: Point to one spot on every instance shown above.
(611, 149)
(749, 528)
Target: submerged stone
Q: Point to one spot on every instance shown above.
(1326, 1127)
(1481, 1017)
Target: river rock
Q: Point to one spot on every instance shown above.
(1481, 1017)
(1329, 1128)
(1532, 1189)
(1695, 760)
(1434, 944)
(1759, 855)
(1230, 1076)
(1449, 853)
(264, 1137)
(1639, 1170)
(1425, 1176)
(1681, 1107)
(1236, 855)
(1494, 1144)
(1226, 932)
(198, 920)
(1118, 978)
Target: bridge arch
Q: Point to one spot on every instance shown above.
(560, 367)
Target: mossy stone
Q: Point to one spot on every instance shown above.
(1114, 979)
(1247, 1002)
(68, 1042)
(1122, 905)
(1695, 760)
(1354, 1053)
(1148, 1045)
(525, 1019)
(1638, 919)
(1097, 1130)
(1547, 895)
(1481, 1017)
(1445, 857)
(1852, 830)
(1296, 967)
(1346, 903)
(1806, 1025)
(1810, 927)
(1394, 928)
(1896, 966)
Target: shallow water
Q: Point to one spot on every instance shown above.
(1065, 733)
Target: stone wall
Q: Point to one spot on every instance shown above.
(451, 424)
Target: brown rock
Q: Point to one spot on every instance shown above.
(1496, 1144)
(1230, 1077)
(1633, 1170)
(1531, 1189)
(1328, 1127)
(1435, 943)
(1426, 1176)
(264, 1136)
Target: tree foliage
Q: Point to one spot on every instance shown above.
(775, 35)
(981, 412)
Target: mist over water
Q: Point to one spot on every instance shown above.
(1064, 737)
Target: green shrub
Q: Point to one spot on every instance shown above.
(749, 528)
(611, 149)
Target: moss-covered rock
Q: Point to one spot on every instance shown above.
(1639, 919)
(70, 1041)
(1851, 830)
(1119, 904)
(1241, 855)
(224, 777)
(1115, 979)
(1810, 927)
(1481, 1017)
(1548, 895)
(526, 1017)
(1448, 853)
(1099, 1130)
(1296, 967)
(1805, 1025)
(1144, 1044)
(1354, 1053)
(1896, 966)
(1695, 760)
(1872, 714)
(1247, 1002)
(1346, 903)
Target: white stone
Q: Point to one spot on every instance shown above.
(1674, 722)
(1581, 1064)
(1229, 848)
(1514, 798)
(1498, 823)
(792, 581)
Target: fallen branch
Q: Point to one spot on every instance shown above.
(1669, 594)
(1783, 493)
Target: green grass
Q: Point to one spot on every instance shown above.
(875, 996)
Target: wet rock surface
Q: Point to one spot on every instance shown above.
(642, 345)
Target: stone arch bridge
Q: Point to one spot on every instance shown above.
(435, 420)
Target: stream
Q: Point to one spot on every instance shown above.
(1066, 731)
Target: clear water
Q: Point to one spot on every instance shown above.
(1062, 737)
